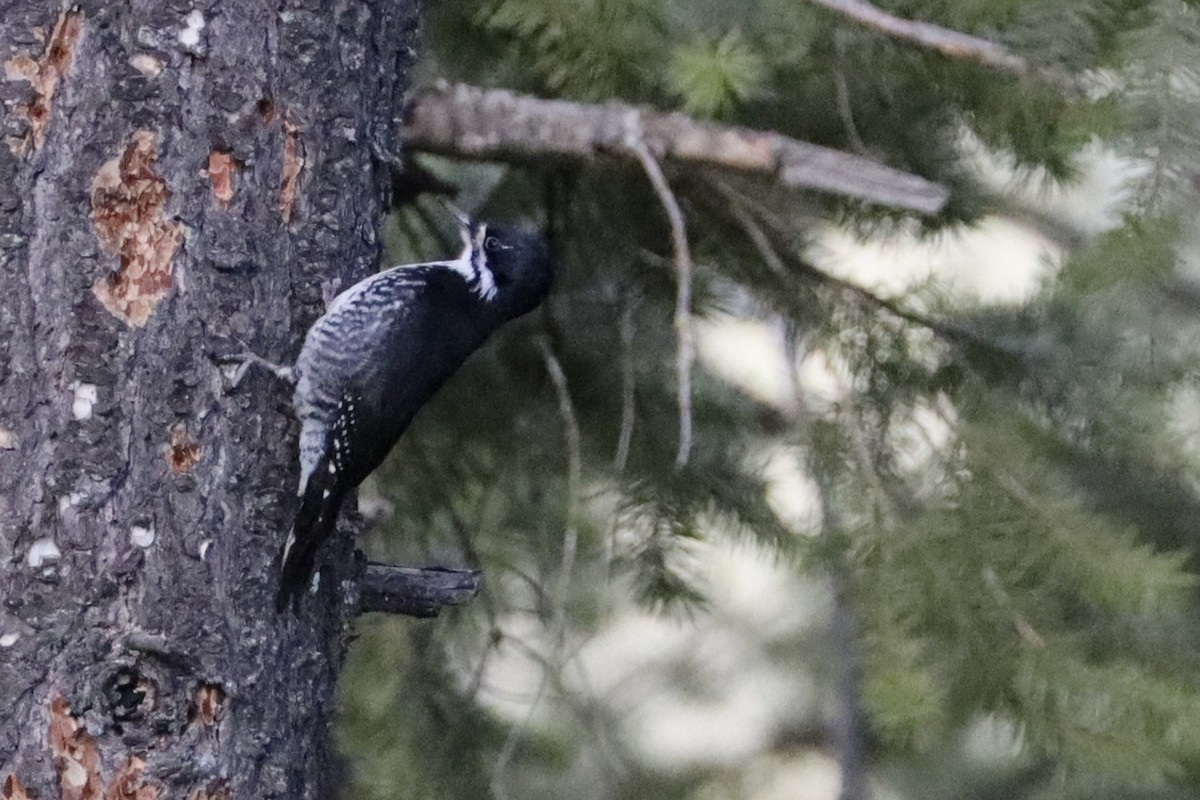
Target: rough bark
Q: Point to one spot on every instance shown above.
(173, 178)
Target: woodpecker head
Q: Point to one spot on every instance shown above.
(511, 266)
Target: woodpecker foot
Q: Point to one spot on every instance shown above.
(245, 360)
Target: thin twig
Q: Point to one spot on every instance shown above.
(583, 704)
(514, 738)
(570, 424)
(944, 40)
(850, 726)
(1021, 624)
(946, 331)
(849, 721)
(558, 625)
(752, 230)
(626, 333)
(842, 95)
(685, 356)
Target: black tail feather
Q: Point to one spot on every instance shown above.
(295, 577)
(315, 523)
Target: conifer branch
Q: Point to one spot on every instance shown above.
(944, 40)
(471, 122)
(948, 332)
(685, 354)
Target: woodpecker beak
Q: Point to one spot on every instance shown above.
(466, 225)
(464, 219)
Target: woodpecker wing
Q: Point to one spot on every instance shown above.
(381, 350)
(320, 500)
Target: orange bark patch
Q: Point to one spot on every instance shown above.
(13, 789)
(128, 784)
(207, 705)
(43, 75)
(183, 452)
(293, 161)
(221, 172)
(75, 756)
(127, 214)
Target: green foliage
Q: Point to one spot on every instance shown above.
(713, 77)
(431, 747)
(1008, 491)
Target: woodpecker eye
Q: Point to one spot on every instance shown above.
(491, 244)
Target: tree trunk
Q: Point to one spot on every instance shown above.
(173, 179)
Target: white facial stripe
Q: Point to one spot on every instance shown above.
(484, 280)
(479, 255)
(472, 264)
(462, 265)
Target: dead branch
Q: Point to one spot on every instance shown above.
(470, 122)
(944, 40)
(685, 353)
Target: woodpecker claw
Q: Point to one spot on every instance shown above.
(247, 359)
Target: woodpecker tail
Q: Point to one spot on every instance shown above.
(315, 522)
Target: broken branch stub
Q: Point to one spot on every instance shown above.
(415, 591)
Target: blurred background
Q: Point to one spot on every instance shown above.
(936, 536)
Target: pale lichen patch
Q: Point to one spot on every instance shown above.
(221, 173)
(142, 535)
(42, 552)
(127, 214)
(8, 439)
(70, 500)
(44, 75)
(83, 400)
(148, 65)
(9, 639)
(190, 36)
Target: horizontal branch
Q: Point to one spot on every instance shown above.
(944, 40)
(415, 591)
(470, 122)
